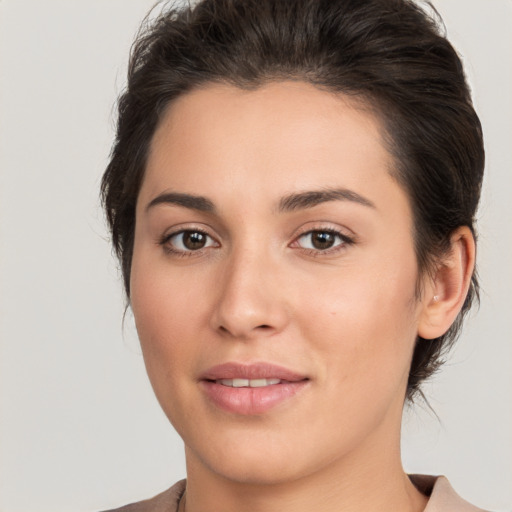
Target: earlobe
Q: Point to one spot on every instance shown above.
(449, 287)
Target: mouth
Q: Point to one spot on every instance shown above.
(248, 383)
(242, 374)
(250, 389)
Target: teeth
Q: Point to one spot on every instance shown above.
(248, 383)
(240, 383)
(260, 383)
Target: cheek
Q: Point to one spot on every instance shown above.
(162, 307)
(167, 324)
(364, 325)
(163, 299)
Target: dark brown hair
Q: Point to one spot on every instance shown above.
(389, 53)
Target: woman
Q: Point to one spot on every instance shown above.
(291, 195)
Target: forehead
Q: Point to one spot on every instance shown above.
(303, 109)
(281, 135)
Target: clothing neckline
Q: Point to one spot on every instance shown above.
(441, 497)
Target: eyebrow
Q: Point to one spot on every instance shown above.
(199, 203)
(309, 199)
(289, 203)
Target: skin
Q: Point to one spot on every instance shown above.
(346, 317)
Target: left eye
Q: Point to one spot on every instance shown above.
(320, 240)
(188, 241)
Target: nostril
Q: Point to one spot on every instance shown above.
(262, 327)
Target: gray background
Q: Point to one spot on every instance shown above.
(80, 429)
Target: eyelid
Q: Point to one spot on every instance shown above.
(182, 233)
(325, 226)
(346, 239)
(165, 239)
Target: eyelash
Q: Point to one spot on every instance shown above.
(343, 239)
(168, 248)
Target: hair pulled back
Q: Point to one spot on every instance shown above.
(389, 53)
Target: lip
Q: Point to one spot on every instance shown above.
(251, 400)
(233, 370)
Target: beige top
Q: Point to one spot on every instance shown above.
(442, 497)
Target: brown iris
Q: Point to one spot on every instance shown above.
(194, 240)
(322, 239)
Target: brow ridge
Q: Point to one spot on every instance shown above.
(288, 203)
(309, 199)
(190, 201)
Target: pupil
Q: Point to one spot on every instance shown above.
(193, 240)
(322, 240)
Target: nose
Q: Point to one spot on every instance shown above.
(250, 301)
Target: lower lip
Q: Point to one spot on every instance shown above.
(251, 401)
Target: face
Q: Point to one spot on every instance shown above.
(273, 281)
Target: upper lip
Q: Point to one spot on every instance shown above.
(233, 370)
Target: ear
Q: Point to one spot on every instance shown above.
(445, 295)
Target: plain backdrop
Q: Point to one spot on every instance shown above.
(80, 429)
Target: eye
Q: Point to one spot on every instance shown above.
(322, 240)
(188, 241)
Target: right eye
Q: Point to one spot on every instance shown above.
(188, 241)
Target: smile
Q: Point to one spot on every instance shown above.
(248, 383)
(250, 389)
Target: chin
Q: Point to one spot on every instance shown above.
(257, 471)
(260, 458)
(247, 458)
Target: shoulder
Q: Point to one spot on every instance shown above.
(166, 501)
(443, 497)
